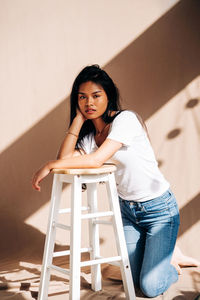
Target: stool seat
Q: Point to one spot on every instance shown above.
(105, 168)
(91, 177)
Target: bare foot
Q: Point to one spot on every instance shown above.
(182, 260)
(178, 269)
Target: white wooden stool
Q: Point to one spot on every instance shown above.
(90, 177)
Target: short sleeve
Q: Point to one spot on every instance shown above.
(125, 128)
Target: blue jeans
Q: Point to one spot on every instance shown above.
(150, 229)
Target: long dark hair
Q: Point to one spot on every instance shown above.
(95, 74)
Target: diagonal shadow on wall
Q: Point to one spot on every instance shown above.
(161, 62)
(189, 212)
(151, 70)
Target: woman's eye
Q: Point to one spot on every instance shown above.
(96, 96)
(81, 97)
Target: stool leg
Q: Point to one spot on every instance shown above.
(50, 238)
(94, 237)
(75, 239)
(120, 239)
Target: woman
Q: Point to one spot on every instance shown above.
(99, 131)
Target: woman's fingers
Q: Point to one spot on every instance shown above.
(36, 186)
(79, 114)
(35, 183)
(39, 176)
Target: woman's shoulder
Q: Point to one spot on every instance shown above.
(128, 119)
(126, 115)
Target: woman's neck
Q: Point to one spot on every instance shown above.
(102, 130)
(99, 125)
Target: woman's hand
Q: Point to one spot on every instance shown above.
(80, 116)
(39, 176)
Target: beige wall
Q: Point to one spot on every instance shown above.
(45, 43)
(150, 48)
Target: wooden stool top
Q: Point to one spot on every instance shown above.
(105, 168)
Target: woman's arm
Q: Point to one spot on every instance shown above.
(93, 160)
(67, 148)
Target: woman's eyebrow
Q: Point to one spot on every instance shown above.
(92, 93)
(96, 92)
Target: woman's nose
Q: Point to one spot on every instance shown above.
(90, 101)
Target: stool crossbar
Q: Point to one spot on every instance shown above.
(76, 177)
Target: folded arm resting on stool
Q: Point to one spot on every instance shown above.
(93, 160)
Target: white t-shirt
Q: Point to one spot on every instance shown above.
(138, 177)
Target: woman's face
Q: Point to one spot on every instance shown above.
(92, 100)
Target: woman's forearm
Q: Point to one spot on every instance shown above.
(85, 161)
(82, 161)
(68, 145)
(92, 160)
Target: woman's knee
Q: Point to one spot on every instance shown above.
(156, 282)
(150, 286)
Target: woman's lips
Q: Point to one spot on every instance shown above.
(90, 111)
